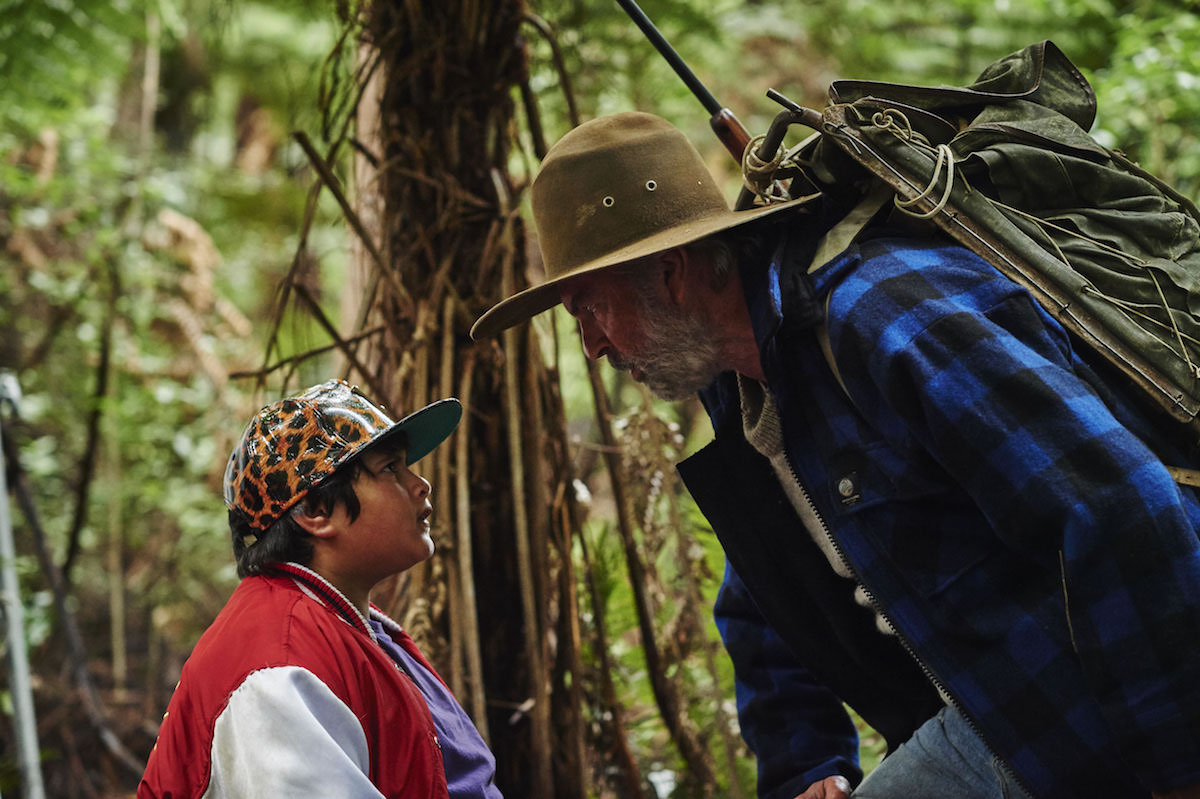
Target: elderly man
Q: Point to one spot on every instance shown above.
(964, 530)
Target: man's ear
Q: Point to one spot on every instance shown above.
(317, 524)
(677, 266)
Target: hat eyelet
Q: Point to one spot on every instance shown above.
(651, 185)
(608, 201)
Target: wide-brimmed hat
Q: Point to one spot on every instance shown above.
(292, 445)
(613, 190)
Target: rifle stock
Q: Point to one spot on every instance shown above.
(731, 132)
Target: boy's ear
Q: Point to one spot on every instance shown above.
(319, 524)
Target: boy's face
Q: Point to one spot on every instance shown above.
(391, 532)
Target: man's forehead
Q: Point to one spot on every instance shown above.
(581, 285)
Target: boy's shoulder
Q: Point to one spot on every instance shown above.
(270, 620)
(253, 629)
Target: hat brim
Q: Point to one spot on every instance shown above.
(528, 303)
(424, 429)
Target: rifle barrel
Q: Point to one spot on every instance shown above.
(728, 128)
(673, 58)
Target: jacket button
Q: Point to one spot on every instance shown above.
(847, 488)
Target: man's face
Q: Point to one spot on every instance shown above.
(634, 322)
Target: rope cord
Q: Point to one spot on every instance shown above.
(1131, 309)
(1045, 223)
(1174, 327)
(766, 179)
(945, 159)
(1135, 309)
(758, 176)
(1132, 260)
(890, 119)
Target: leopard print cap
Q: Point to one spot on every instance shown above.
(295, 443)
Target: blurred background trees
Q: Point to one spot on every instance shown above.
(177, 184)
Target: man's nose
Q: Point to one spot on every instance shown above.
(595, 343)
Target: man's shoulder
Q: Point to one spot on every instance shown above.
(888, 276)
(889, 255)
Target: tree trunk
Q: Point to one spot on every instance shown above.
(449, 234)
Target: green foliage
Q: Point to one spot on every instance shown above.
(1150, 95)
(166, 253)
(51, 53)
(102, 278)
(1140, 55)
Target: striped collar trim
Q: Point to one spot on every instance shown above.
(320, 589)
(323, 591)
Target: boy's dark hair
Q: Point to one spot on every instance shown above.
(286, 540)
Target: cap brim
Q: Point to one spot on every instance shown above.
(528, 303)
(424, 429)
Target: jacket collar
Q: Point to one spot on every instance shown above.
(780, 291)
(317, 587)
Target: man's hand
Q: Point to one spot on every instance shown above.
(836, 787)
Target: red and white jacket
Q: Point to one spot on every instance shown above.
(288, 694)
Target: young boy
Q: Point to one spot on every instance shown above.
(301, 687)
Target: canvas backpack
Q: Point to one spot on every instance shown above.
(1007, 169)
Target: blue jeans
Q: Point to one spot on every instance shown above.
(944, 759)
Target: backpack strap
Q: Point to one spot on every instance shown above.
(841, 235)
(835, 241)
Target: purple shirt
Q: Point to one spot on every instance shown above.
(470, 766)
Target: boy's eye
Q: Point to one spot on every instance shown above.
(392, 468)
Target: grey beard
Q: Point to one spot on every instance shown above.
(679, 357)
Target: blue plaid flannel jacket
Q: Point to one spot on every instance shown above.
(1004, 512)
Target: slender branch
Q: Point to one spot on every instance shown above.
(442, 457)
(560, 65)
(612, 721)
(694, 596)
(466, 566)
(540, 717)
(608, 691)
(92, 705)
(59, 316)
(310, 212)
(304, 356)
(335, 188)
(304, 294)
(533, 118)
(87, 466)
